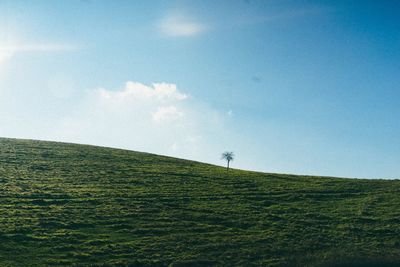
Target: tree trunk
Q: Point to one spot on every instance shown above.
(227, 167)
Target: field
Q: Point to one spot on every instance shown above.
(67, 204)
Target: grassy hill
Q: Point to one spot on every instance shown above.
(66, 204)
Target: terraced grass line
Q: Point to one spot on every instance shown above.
(67, 204)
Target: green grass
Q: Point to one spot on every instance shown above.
(67, 204)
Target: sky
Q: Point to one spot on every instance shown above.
(302, 87)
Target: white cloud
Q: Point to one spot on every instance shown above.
(167, 114)
(155, 118)
(178, 25)
(8, 50)
(135, 90)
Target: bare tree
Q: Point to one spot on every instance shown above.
(228, 156)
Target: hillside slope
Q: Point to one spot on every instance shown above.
(65, 204)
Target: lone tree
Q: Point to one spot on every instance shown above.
(228, 156)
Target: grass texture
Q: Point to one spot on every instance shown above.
(78, 205)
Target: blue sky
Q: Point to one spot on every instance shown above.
(305, 87)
